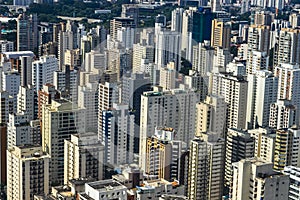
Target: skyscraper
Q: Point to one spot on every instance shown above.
(27, 172)
(211, 116)
(262, 92)
(175, 108)
(60, 120)
(220, 34)
(176, 22)
(287, 49)
(108, 94)
(163, 154)
(206, 168)
(254, 178)
(234, 90)
(288, 81)
(239, 145)
(167, 49)
(118, 135)
(83, 157)
(42, 71)
(27, 33)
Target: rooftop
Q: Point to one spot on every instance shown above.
(109, 184)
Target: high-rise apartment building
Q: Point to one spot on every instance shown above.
(108, 94)
(6, 106)
(11, 82)
(203, 56)
(198, 83)
(262, 92)
(259, 38)
(60, 120)
(88, 99)
(167, 77)
(6, 46)
(256, 61)
(65, 42)
(175, 108)
(206, 168)
(27, 102)
(294, 187)
(163, 154)
(43, 71)
(27, 172)
(118, 134)
(66, 82)
(286, 148)
(211, 116)
(141, 52)
(83, 157)
(239, 145)
(255, 179)
(294, 19)
(287, 49)
(45, 96)
(18, 130)
(220, 34)
(133, 86)
(234, 89)
(176, 22)
(27, 32)
(283, 114)
(288, 81)
(168, 49)
(264, 143)
(117, 23)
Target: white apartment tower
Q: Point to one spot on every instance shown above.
(234, 89)
(6, 106)
(287, 49)
(60, 120)
(42, 71)
(118, 135)
(88, 99)
(83, 157)
(11, 82)
(294, 174)
(65, 41)
(18, 130)
(27, 172)
(262, 92)
(163, 154)
(203, 57)
(176, 22)
(108, 94)
(264, 143)
(283, 114)
(288, 81)
(174, 108)
(167, 78)
(211, 116)
(255, 179)
(257, 60)
(141, 52)
(206, 168)
(27, 101)
(259, 38)
(167, 49)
